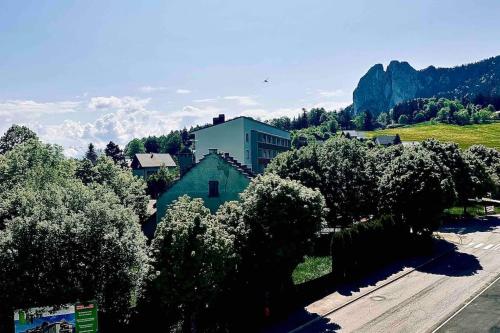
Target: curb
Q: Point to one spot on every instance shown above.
(297, 329)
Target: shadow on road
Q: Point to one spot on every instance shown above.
(449, 262)
(453, 264)
(300, 317)
(465, 226)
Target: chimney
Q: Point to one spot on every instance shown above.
(219, 120)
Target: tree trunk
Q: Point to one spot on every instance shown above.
(6, 320)
(188, 324)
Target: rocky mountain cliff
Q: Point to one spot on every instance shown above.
(379, 90)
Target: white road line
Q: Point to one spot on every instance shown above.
(470, 244)
(478, 245)
(496, 247)
(487, 247)
(466, 304)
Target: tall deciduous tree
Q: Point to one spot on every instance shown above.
(15, 135)
(57, 234)
(114, 152)
(282, 218)
(348, 180)
(416, 188)
(191, 254)
(136, 146)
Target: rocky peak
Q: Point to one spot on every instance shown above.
(379, 90)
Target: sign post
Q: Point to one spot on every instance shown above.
(86, 317)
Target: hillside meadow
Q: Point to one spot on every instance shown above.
(464, 136)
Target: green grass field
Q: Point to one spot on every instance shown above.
(464, 136)
(312, 268)
(474, 210)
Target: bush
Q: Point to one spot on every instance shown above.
(367, 245)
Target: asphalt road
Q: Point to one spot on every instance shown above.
(422, 296)
(482, 314)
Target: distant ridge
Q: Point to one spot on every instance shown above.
(379, 90)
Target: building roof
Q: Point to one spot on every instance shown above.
(354, 134)
(385, 139)
(151, 160)
(239, 117)
(243, 169)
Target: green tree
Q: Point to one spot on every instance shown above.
(114, 152)
(491, 159)
(171, 144)
(191, 255)
(368, 121)
(348, 180)
(91, 154)
(359, 121)
(299, 164)
(444, 115)
(403, 120)
(136, 146)
(34, 164)
(462, 117)
(85, 171)
(160, 181)
(383, 119)
(415, 188)
(130, 190)
(57, 234)
(71, 238)
(152, 144)
(282, 218)
(15, 135)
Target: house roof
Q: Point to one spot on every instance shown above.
(244, 117)
(354, 134)
(151, 160)
(385, 139)
(243, 169)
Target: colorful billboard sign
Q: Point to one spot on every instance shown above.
(45, 320)
(78, 318)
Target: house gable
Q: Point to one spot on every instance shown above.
(200, 181)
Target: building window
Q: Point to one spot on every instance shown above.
(213, 188)
(246, 137)
(247, 154)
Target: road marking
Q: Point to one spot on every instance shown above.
(496, 247)
(470, 244)
(487, 247)
(466, 304)
(478, 245)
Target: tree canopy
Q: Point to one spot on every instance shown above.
(15, 135)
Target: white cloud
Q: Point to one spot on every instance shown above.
(183, 91)
(206, 100)
(331, 93)
(29, 108)
(242, 100)
(120, 127)
(151, 89)
(126, 103)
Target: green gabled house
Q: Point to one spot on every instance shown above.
(216, 178)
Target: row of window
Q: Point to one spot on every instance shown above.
(267, 153)
(274, 140)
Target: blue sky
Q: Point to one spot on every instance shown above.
(82, 71)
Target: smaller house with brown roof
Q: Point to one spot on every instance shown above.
(144, 165)
(216, 178)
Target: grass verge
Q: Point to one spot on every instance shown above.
(312, 268)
